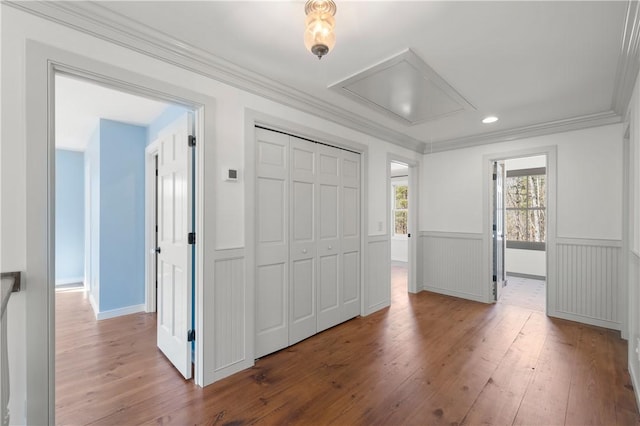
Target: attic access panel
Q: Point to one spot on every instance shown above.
(404, 88)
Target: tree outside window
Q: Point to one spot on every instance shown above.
(526, 214)
(400, 206)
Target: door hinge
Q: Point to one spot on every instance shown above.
(191, 336)
(495, 227)
(192, 140)
(495, 278)
(495, 176)
(409, 235)
(191, 238)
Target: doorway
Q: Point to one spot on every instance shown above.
(103, 138)
(399, 229)
(519, 229)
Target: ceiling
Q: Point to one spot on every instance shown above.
(80, 105)
(530, 63)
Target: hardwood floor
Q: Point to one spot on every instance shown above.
(428, 359)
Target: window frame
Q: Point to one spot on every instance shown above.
(527, 245)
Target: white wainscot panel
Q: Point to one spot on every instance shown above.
(230, 310)
(452, 264)
(589, 281)
(378, 274)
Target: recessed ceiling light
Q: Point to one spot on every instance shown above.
(490, 119)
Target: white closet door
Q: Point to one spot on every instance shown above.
(328, 228)
(272, 245)
(303, 241)
(350, 253)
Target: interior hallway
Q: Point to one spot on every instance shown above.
(428, 359)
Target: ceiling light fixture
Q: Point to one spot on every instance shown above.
(320, 23)
(490, 119)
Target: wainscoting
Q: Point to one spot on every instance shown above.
(453, 264)
(588, 282)
(378, 274)
(634, 321)
(228, 316)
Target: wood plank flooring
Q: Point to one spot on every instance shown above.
(426, 360)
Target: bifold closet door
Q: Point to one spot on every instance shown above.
(329, 244)
(272, 242)
(303, 240)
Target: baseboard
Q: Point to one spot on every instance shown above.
(468, 296)
(65, 281)
(634, 383)
(530, 276)
(377, 307)
(94, 305)
(586, 320)
(127, 310)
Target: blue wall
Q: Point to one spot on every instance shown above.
(122, 164)
(69, 216)
(167, 117)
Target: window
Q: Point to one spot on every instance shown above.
(526, 213)
(400, 206)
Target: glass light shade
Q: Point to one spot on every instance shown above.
(319, 37)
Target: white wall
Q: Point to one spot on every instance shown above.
(231, 107)
(528, 262)
(585, 257)
(632, 252)
(589, 193)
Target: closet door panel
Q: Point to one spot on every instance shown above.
(350, 235)
(303, 240)
(328, 226)
(272, 242)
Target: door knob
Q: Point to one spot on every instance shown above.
(304, 251)
(330, 248)
(156, 250)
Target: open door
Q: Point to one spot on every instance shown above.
(499, 241)
(174, 270)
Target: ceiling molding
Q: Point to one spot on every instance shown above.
(98, 21)
(559, 126)
(629, 59)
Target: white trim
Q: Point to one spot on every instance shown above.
(589, 242)
(127, 310)
(65, 281)
(98, 21)
(94, 305)
(612, 325)
(151, 152)
(42, 62)
(551, 153)
(461, 235)
(628, 61)
(540, 129)
(634, 381)
(447, 292)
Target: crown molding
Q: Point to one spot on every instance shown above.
(98, 21)
(541, 129)
(629, 60)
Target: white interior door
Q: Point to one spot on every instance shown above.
(272, 242)
(329, 247)
(174, 257)
(303, 240)
(498, 229)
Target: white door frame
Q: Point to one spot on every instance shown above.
(412, 225)
(551, 153)
(150, 155)
(42, 64)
